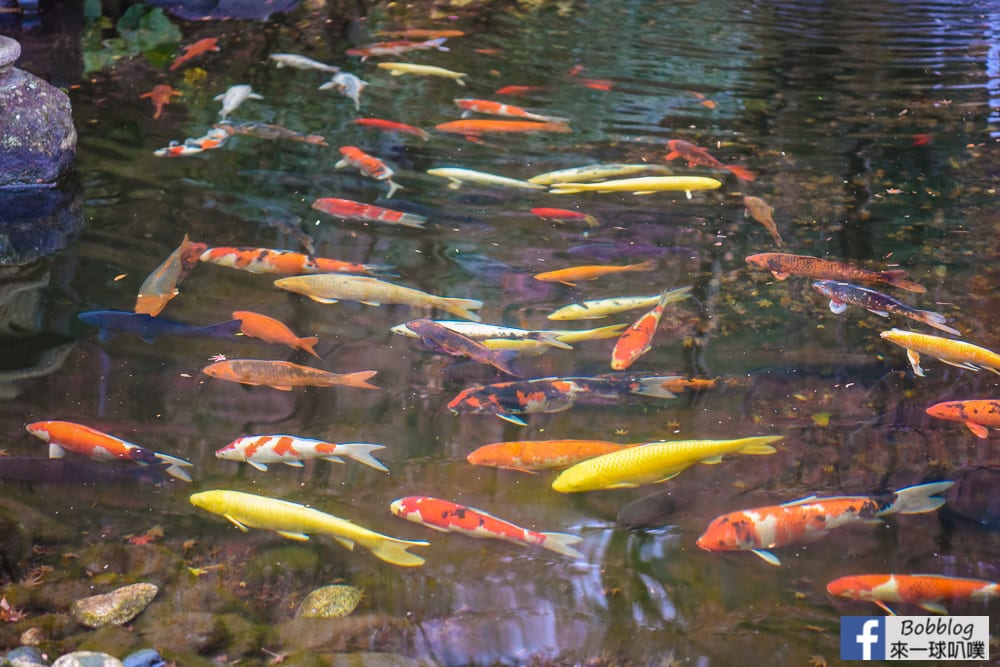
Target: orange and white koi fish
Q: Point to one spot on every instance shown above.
(287, 262)
(212, 139)
(284, 375)
(368, 165)
(470, 105)
(161, 285)
(65, 437)
(449, 517)
(696, 155)
(392, 126)
(952, 352)
(927, 591)
(590, 272)
(473, 130)
(843, 294)
(638, 338)
(194, 50)
(275, 331)
(977, 414)
(396, 48)
(260, 450)
(763, 213)
(565, 215)
(353, 210)
(781, 265)
(530, 456)
(808, 519)
(160, 96)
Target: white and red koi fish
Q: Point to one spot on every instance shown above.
(396, 48)
(638, 338)
(65, 436)
(260, 450)
(369, 165)
(449, 517)
(926, 591)
(469, 105)
(287, 262)
(354, 210)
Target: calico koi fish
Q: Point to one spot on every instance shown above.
(331, 287)
(696, 155)
(808, 519)
(763, 213)
(266, 131)
(456, 176)
(294, 522)
(392, 126)
(643, 185)
(296, 61)
(274, 331)
(160, 96)
(353, 210)
(927, 591)
(396, 48)
(260, 450)
(473, 130)
(399, 69)
(194, 50)
(64, 436)
(470, 105)
(347, 85)
(952, 352)
(654, 462)
(530, 456)
(565, 215)
(782, 265)
(596, 172)
(212, 139)
(234, 97)
(843, 294)
(638, 338)
(442, 339)
(284, 375)
(570, 275)
(161, 285)
(449, 517)
(369, 165)
(492, 333)
(977, 414)
(267, 260)
(598, 308)
(148, 328)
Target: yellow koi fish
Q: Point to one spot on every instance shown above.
(952, 352)
(563, 336)
(598, 308)
(398, 69)
(596, 172)
(644, 185)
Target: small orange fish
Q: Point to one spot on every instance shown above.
(696, 155)
(977, 414)
(677, 385)
(564, 215)
(194, 50)
(473, 130)
(518, 91)
(590, 272)
(284, 375)
(926, 591)
(638, 338)
(369, 165)
(275, 331)
(160, 97)
(531, 456)
(161, 285)
(392, 126)
(763, 213)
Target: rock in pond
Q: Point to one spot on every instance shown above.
(115, 608)
(330, 602)
(87, 659)
(25, 656)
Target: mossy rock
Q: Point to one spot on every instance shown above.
(333, 601)
(116, 607)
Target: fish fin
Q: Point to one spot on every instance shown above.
(466, 113)
(332, 459)
(654, 386)
(294, 464)
(965, 365)
(281, 387)
(358, 380)
(632, 485)
(460, 82)
(308, 344)
(591, 221)
(897, 278)
(178, 472)
(460, 307)
(104, 335)
(362, 453)
(880, 313)
(936, 320)
(172, 460)
(392, 188)
(672, 155)
(255, 96)
(298, 537)
(780, 275)
(739, 172)
(321, 299)
(552, 340)
(395, 551)
(567, 283)
(369, 302)
(914, 358)
(800, 501)
(258, 465)
(56, 451)
(565, 188)
(931, 606)
(396, 72)
(513, 419)
(340, 164)
(767, 557)
(650, 192)
(344, 542)
(712, 460)
(759, 448)
(520, 469)
(884, 607)
(236, 522)
(561, 544)
(837, 307)
(219, 97)
(918, 499)
(978, 430)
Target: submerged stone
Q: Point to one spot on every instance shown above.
(147, 657)
(87, 659)
(114, 608)
(330, 602)
(25, 656)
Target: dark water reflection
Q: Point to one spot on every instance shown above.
(870, 129)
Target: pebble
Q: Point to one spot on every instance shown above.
(115, 608)
(87, 659)
(147, 657)
(330, 602)
(25, 656)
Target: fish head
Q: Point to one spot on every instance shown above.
(730, 532)
(407, 507)
(231, 452)
(423, 327)
(947, 410)
(404, 330)
(474, 400)
(856, 587)
(825, 287)
(39, 430)
(206, 500)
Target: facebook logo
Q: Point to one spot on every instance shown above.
(862, 638)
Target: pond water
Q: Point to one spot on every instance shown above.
(870, 129)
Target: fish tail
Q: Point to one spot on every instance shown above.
(759, 445)
(591, 221)
(411, 220)
(669, 296)
(392, 188)
(395, 551)
(654, 386)
(552, 340)
(648, 265)
(897, 278)
(739, 172)
(358, 380)
(566, 188)
(936, 320)
(308, 344)
(460, 307)
(560, 543)
(362, 453)
(918, 499)
(379, 269)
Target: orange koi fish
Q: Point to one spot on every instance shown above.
(160, 96)
(161, 285)
(468, 105)
(396, 48)
(696, 155)
(590, 272)
(952, 352)
(420, 33)
(781, 265)
(638, 338)
(843, 294)
(678, 385)
(392, 126)
(473, 130)
(275, 331)
(284, 375)
(977, 414)
(565, 215)
(353, 210)
(194, 50)
(368, 165)
(927, 591)
(259, 450)
(763, 213)
(518, 91)
(266, 260)
(449, 517)
(442, 339)
(67, 436)
(809, 519)
(531, 456)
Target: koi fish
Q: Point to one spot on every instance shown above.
(369, 165)
(396, 48)
(598, 308)
(148, 328)
(65, 437)
(399, 69)
(294, 522)
(763, 213)
(284, 375)
(976, 414)
(194, 50)
(530, 456)
(234, 97)
(638, 338)
(554, 394)
(491, 333)
(456, 176)
(469, 105)
(296, 61)
(596, 172)
(569, 275)
(809, 519)
(927, 591)
(353, 210)
(952, 352)
(266, 131)
(347, 85)
(518, 91)
(420, 33)
(392, 126)
(275, 331)
(161, 285)
(260, 450)
(442, 339)
(331, 287)
(266, 260)
(696, 155)
(160, 96)
(565, 215)
(782, 265)
(643, 185)
(536, 345)
(473, 130)
(212, 139)
(654, 462)
(449, 517)
(843, 294)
